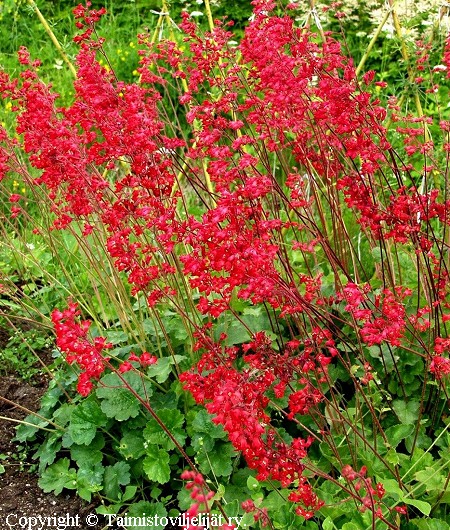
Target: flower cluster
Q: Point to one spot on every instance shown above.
(200, 510)
(238, 401)
(145, 359)
(72, 339)
(371, 494)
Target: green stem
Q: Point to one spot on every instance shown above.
(52, 36)
(372, 42)
(209, 15)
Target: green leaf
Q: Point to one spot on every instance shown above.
(418, 440)
(328, 524)
(156, 465)
(236, 334)
(26, 432)
(254, 320)
(344, 454)
(430, 524)
(63, 413)
(282, 517)
(148, 325)
(430, 479)
(116, 337)
(89, 480)
(247, 521)
(129, 493)
(116, 476)
(173, 420)
(167, 400)
(392, 457)
(118, 402)
(175, 328)
(86, 417)
(132, 445)
(147, 511)
(202, 422)
(48, 450)
(422, 506)
(407, 412)
(397, 433)
(376, 254)
(392, 488)
(202, 442)
(57, 477)
(51, 398)
(253, 484)
(219, 460)
(235, 497)
(85, 456)
(161, 370)
(385, 354)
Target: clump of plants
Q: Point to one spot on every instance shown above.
(279, 238)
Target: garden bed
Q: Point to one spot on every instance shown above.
(20, 493)
(241, 249)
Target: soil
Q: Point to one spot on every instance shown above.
(20, 495)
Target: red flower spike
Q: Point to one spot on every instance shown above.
(125, 367)
(146, 359)
(72, 339)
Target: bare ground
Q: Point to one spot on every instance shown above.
(20, 495)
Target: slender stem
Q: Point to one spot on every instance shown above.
(372, 42)
(28, 411)
(209, 15)
(22, 422)
(52, 36)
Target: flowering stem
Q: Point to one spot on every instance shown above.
(405, 56)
